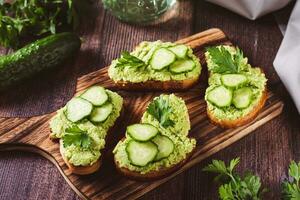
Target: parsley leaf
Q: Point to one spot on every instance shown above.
(225, 62)
(233, 186)
(77, 137)
(291, 189)
(129, 60)
(161, 110)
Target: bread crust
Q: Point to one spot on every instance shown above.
(171, 85)
(225, 123)
(152, 175)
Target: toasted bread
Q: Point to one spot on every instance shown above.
(81, 170)
(225, 123)
(152, 175)
(171, 85)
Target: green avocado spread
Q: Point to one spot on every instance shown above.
(177, 133)
(256, 80)
(144, 51)
(75, 154)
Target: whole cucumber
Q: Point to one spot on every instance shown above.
(42, 54)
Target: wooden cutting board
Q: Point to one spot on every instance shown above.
(32, 134)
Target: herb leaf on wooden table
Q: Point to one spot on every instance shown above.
(291, 188)
(23, 19)
(77, 137)
(225, 62)
(233, 186)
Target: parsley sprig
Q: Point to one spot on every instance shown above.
(161, 110)
(291, 188)
(225, 62)
(74, 135)
(235, 187)
(129, 60)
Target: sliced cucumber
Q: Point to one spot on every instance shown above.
(142, 132)
(78, 108)
(220, 96)
(179, 50)
(242, 97)
(100, 114)
(181, 66)
(162, 58)
(141, 153)
(96, 95)
(165, 146)
(233, 80)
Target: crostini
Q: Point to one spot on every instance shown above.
(156, 65)
(159, 144)
(82, 126)
(237, 92)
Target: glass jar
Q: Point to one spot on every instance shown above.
(139, 11)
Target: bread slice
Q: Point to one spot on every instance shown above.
(81, 170)
(152, 175)
(158, 85)
(225, 123)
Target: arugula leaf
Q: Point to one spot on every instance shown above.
(129, 60)
(291, 189)
(225, 62)
(233, 186)
(24, 19)
(77, 137)
(161, 110)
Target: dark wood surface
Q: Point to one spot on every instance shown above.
(267, 151)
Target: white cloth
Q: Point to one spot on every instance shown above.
(287, 61)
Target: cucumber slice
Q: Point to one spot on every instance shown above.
(142, 132)
(78, 108)
(96, 95)
(179, 50)
(242, 97)
(162, 58)
(100, 114)
(220, 96)
(233, 80)
(181, 66)
(141, 153)
(165, 146)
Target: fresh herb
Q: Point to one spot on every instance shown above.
(129, 60)
(23, 20)
(77, 137)
(161, 110)
(225, 62)
(291, 188)
(235, 187)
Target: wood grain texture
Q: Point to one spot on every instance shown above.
(32, 134)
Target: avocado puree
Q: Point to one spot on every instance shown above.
(256, 80)
(77, 155)
(178, 134)
(144, 52)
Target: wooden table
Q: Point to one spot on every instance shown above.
(267, 151)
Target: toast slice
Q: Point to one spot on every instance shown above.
(158, 85)
(131, 78)
(85, 139)
(226, 123)
(152, 175)
(182, 146)
(237, 92)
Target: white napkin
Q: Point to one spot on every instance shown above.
(287, 61)
(252, 9)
